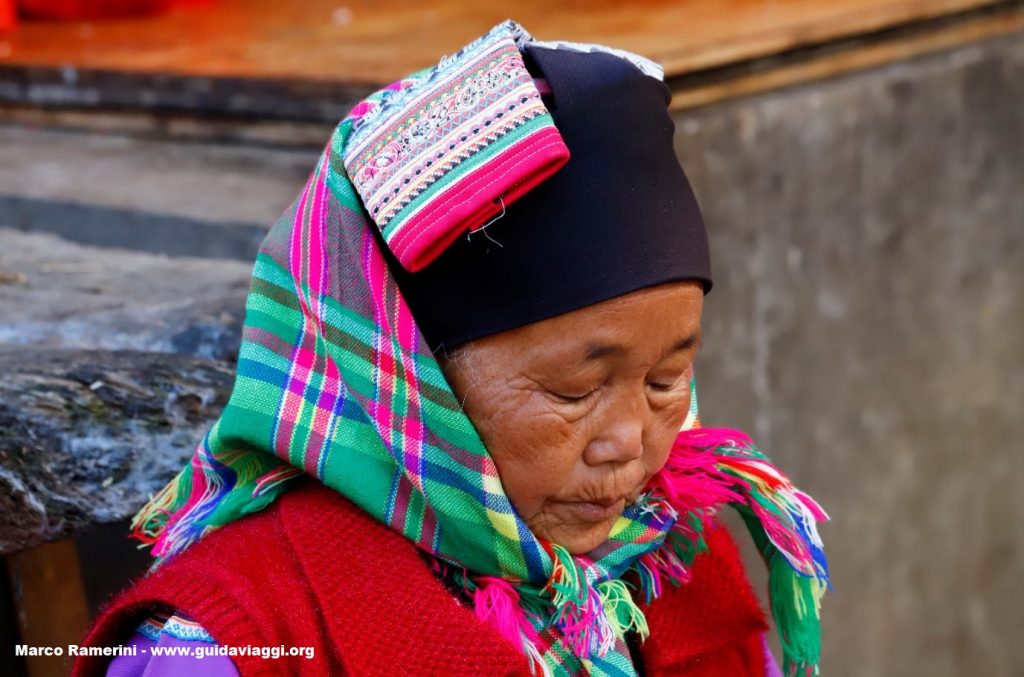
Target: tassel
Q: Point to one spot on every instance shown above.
(568, 581)
(796, 607)
(669, 562)
(649, 573)
(690, 479)
(579, 613)
(495, 601)
(202, 497)
(783, 523)
(498, 602)
(270, 481)
(152, 519)
(538, 666)
(621, 610)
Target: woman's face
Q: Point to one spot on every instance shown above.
(580, 410)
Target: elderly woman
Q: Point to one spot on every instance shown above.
(463, 438)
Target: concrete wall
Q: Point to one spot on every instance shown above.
(867, 325)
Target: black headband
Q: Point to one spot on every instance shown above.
(620, 216)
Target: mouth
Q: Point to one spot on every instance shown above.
(593, 510)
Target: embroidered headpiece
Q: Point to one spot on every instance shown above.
(446, 150)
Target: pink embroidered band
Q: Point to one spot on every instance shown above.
(447, 149)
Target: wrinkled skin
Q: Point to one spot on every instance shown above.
(576, 438)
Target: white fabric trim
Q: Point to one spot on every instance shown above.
(646, 66)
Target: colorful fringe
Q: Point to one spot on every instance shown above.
(723, 463)
(334, 380)
(707, 470)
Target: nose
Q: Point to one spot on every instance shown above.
(620, 438)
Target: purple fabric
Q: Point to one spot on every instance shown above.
(771, 666)
(146, 664)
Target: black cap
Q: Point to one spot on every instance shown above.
(620, 216)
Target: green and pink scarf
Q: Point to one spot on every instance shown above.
(334, 380)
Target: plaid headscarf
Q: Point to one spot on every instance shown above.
(334, 380)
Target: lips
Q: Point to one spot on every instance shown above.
(594, 510)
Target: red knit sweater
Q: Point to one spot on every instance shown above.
(315, 570)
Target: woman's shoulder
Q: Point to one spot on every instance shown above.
(243, 584)
(278, 548)
(307, 520)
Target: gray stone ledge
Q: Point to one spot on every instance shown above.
(87, 436)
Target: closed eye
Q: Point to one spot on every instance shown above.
(668, 385)
(571, 399)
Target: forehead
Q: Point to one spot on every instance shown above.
(644, 323)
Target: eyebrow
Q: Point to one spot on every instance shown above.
(597, 351)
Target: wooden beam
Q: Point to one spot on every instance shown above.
(378, 42)
(46, 583)
(835, 60)
(298, 66)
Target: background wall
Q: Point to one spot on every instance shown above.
(867, 325)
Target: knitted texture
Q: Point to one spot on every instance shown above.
(232, 584)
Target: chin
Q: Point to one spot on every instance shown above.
(584, 539)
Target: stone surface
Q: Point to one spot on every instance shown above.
(203, 181)
(867, 326)
(86, 436)
(191, 199)
(113, 365)
(59, 294)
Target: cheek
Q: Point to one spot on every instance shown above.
(537, 452)
(663, 433)
(529, 446)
